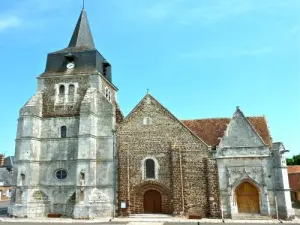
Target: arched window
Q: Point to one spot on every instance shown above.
(61, 89)
(61, 95)
(150, 168)
(63, 132)
(71, 92)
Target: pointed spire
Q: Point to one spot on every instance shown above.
(82, 35)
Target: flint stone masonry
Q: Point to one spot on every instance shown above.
(165, 140)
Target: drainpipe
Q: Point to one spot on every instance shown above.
(181, 178)
(115, 172)
(128, 183)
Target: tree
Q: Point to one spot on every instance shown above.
(295, 160)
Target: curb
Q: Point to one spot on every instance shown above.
(127, 220)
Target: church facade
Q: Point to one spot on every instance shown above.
(77, 156)
(219, 167)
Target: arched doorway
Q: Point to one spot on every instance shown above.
(152, 202)
(247, 198)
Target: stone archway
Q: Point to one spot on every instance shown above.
(247, 198)
(152, 202)
(155, 189)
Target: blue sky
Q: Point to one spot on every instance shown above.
(200, 59)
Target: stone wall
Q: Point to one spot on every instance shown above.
(243, 156)
(50, 109)
(187, 176)
(86, 153)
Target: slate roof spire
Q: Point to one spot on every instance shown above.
(82, 35)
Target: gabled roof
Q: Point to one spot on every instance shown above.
(212, 130)
(294, 169)
(119, 114)
(9, 162)
(5, 177)
(294, 181)
(82, 35)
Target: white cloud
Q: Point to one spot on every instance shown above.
(9, 22)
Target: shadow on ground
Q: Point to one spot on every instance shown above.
(296, 206)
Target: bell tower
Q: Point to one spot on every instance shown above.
(65, 145)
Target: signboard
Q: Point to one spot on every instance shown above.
(123, 205)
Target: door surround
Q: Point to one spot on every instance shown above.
(247, 198)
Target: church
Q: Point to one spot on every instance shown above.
(76, 155)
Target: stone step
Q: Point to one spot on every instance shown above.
(150, 216)
(245, 216)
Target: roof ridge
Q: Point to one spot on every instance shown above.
(216, 118)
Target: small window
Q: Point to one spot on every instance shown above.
(147, 121)
(61, 89)
(106, 92)
(61, 174)
(63, 132)
(109, 95)
(71, 89)
(150, 168)
(71, 92)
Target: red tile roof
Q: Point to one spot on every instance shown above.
(211, 130)
(293, 169)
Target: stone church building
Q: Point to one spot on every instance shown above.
(76, 155)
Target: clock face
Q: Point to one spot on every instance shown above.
(70, 65)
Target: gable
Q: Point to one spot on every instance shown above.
(240, 133)
(150, 108)
(212, 130)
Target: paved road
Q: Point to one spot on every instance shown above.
(79, 223)
(131, 223)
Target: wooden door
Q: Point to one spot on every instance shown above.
(247, 198)
(152, 202)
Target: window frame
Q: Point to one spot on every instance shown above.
(147, 121)
(71, 95)
(149, 172)
(144, 170)
(61, 89)
(65, 131)
(61, 170)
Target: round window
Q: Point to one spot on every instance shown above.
(61, 174)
